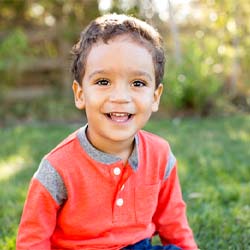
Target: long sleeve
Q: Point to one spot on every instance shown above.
(170, 217)
(40, 210)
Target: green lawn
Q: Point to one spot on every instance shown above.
(214, 169)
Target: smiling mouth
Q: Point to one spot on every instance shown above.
(119, 116)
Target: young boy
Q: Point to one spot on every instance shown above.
(110, 185)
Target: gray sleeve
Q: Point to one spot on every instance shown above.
(170, 165)
(48, 176)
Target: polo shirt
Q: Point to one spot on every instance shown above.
(82, 198)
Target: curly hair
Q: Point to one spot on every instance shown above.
(110, 26)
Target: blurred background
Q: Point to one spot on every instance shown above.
(207, 44)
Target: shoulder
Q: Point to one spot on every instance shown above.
(153, 140)
(65, 149)
(65, 144)
(54, 167)
(61, 158)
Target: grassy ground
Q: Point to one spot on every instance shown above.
(214, 161)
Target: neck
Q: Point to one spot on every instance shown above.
(121, 149)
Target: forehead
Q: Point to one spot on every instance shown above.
(120, 53)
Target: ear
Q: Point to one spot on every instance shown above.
(78, 94)
(157, 97)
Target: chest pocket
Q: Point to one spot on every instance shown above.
(146, 199)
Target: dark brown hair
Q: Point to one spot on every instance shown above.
(109, 26)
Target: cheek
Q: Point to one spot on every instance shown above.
(91, 99)
(146, 101)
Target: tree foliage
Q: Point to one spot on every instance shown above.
(211, 39)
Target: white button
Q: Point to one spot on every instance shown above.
(122, 187)
(119, 202)
(117, 171)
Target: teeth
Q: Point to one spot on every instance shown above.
(119, 114)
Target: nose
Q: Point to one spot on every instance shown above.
(120, 93)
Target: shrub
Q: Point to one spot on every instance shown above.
(12, 49)
(192, 85)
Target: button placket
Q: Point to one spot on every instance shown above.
(117, 171)
(119, 202)
(122, 187)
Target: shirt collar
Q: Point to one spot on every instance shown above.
(102, 157)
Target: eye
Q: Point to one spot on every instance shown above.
(102, 82)
(138, 83)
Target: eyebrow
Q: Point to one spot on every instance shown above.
(134, 72)
(142, 73)
(96, 72)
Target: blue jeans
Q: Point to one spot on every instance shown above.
(146, 245)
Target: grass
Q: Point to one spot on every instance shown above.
(213, 157)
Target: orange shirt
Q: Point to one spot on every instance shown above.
(81, 198)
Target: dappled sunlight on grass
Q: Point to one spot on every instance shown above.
(241, 135)
(11, 166)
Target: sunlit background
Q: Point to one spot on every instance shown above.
(207, 45)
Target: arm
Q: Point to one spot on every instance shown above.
(170, 217)
(40, 210)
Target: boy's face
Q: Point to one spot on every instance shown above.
(117, 91)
